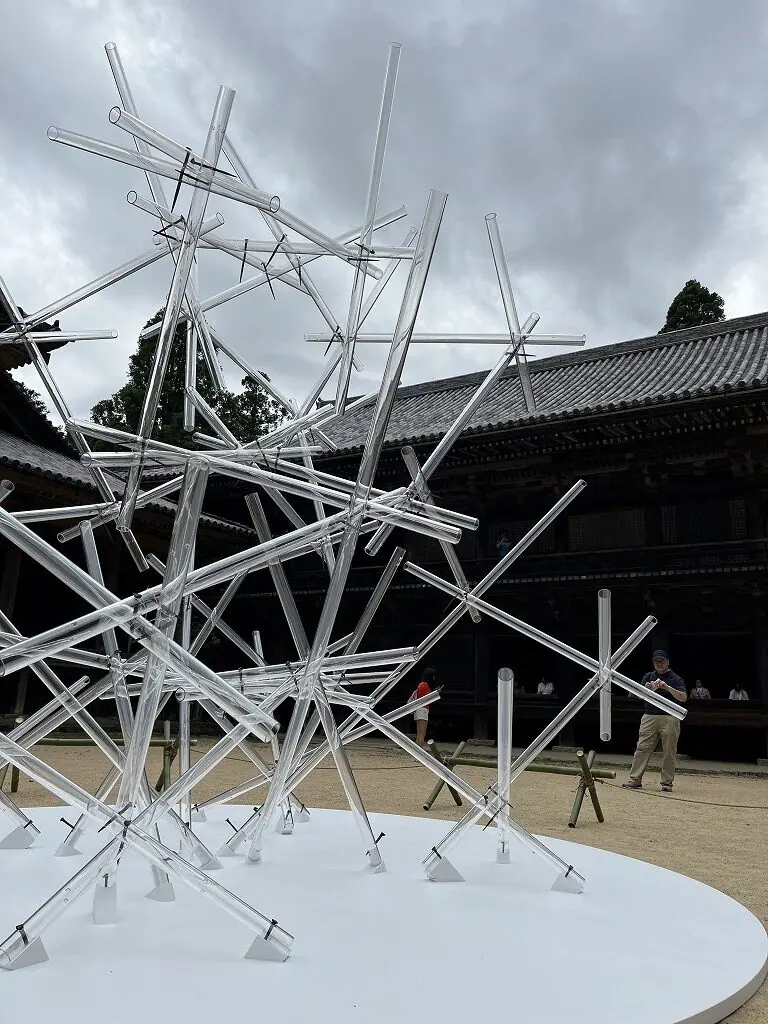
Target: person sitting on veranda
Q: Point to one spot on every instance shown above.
(738, 693)
(421, 715)
(545, 688)
(700, 692)
(518, 690)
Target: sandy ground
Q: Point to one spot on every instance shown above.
(713, 828)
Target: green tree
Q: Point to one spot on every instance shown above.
(693, 306)
(33, 399)
(248, 414)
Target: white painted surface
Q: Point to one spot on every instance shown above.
(640, 946)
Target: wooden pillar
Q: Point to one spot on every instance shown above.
(481, 658)
(761, 644)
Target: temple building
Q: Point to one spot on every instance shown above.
(670, 434)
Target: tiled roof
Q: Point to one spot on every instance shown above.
(22, 454)
(13, 356)
(664, 368)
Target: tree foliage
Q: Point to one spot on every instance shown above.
(693, 306)
(248, 414)
(33, 399)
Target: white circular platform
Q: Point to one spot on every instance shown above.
(641, 945)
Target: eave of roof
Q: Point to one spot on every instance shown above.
(638, 370)
(31, 458)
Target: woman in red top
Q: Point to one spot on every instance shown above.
(421, 715)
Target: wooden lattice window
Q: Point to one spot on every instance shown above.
(514, 529)
(599, 531)
(703, 521)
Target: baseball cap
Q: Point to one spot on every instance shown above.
(659, 655)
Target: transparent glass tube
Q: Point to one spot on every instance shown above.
(461, 786)
(213, 619)
(222, 184)
(287, 268)
(199, 177)
(348, 782)
(495, 574)
(132, 836)
(245, 745)
(320, 512)
(40, 364)
(412, 295)
(510, 310)
(377, 596)
(126, 98)
(429, 523)
(31, 650)
(576, 703)
(366, 235)
(41, 337)
(545, 340)
(53, 714)
(237, 247)
(208, 414)
(604, 657)
(190, 377)
(180, 558)
(47, 515)
(184, 263)
(505, 681)
(254, 374)
(125, 614)
(113, 276)
(111, 510)
(549, 641)
(185, 806)
(448, 440)
(120, 273)
(111, 648)
(279, 578)
(424, 493)
(308, 764)
(279, 236)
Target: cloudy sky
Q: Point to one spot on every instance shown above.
(622, 144)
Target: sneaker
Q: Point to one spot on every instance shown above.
(666, 787)
(631, 784)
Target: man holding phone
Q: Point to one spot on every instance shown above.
(658, 725)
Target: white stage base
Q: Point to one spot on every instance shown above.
(641, 945)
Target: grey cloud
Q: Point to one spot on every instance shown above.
(619, 143)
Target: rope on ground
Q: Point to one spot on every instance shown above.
(686, 799)
(355, 768)
(603, 782)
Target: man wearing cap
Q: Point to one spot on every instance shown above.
(658, 725)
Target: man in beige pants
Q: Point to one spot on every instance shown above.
(659, 725)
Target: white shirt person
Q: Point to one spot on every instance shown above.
(545, 689)
(700, 692)
(738, 693)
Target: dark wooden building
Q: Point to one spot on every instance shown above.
(671, 435)
(47, 473)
